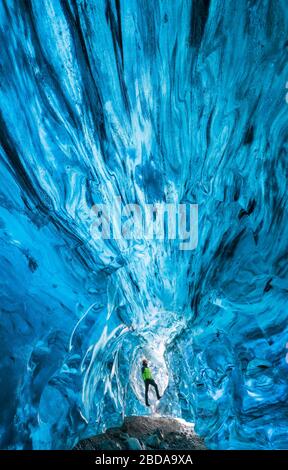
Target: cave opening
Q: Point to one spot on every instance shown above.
(155, 356)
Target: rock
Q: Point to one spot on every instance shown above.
(95, 444)
(133, 444)
(110, 444)
(146, 432)
(123, 436)
(160, 434)
(153, 441)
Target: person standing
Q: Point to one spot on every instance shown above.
(148, 380)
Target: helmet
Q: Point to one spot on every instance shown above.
(145, 362)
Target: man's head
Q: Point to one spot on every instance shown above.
(145, 362)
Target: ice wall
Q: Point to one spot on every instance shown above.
(152, 101)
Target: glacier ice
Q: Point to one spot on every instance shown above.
(150, 101)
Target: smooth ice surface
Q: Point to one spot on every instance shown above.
(151, 101)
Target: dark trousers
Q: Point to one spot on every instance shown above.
(153, 383)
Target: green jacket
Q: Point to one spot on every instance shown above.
(146, 373)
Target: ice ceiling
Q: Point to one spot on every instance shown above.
(151, 101)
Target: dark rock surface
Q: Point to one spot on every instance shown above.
(146, 432)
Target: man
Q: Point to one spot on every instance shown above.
(148, 380)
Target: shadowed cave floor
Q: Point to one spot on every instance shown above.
(146, 432)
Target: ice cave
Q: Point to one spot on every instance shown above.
(152, 101)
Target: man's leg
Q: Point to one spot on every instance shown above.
(146, 392)
(153, 383)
